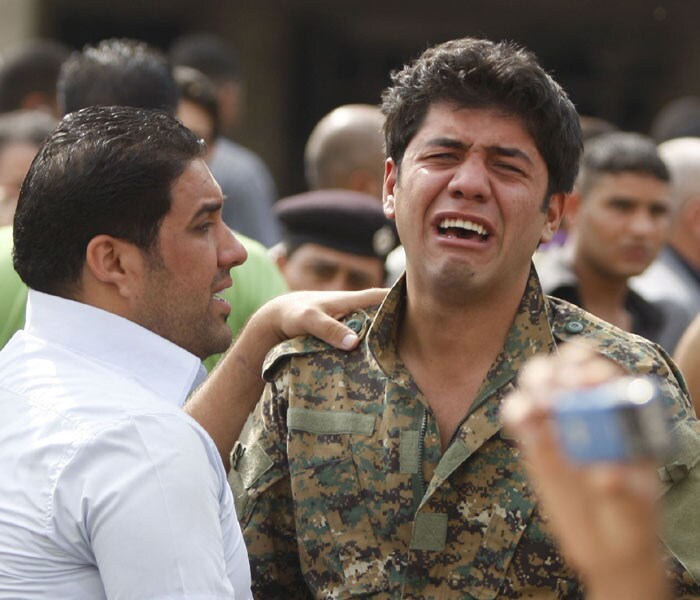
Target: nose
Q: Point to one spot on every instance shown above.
(642, 224)
(470, 179)
(231, 252)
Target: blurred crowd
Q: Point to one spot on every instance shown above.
(628, 250)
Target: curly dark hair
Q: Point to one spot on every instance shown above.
(478, 73)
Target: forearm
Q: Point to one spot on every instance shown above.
(645, 579)
(222, 404)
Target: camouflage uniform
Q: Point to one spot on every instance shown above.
(343, 491)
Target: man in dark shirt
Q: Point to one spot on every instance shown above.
(620, 217)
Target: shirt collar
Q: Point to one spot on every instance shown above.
(529, 334)
(137, 353)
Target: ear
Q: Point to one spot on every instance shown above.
(553, 216)
(391, 175)
(573, 209)
(116, 263)
(281, 260)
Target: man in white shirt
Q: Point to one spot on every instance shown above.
(108, 489)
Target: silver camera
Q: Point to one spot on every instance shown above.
(618, 421)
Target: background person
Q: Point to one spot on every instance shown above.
(333, 240)
(244, 178)
(21, 133)
(28, 77)
(346, 150)
(619, 219)
(675, 274)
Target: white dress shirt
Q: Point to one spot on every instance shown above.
(107, 488)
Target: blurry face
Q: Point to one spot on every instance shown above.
(467, 200)
(622, 223)
(198, 121)
(314, 267)
(180, 297)
(15, 160)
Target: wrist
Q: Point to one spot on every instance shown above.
(640, 578)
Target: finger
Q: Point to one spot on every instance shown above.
(340, 304)
(331, 331)
(580, 366)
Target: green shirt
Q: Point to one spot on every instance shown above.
(13, 293)
(255, 282)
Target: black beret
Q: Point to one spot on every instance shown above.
(339, 219)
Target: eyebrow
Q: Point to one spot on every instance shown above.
(510, 153)
(207, 207)
(506, 151)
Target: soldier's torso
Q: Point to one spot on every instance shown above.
(380, 511)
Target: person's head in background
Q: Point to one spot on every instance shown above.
(213, 56)
(21, 134)
(198, 108)
(119, 72)
(591, 127)
(334, 240)
(682, 156)
(620, 211)
(346, 150)
(28, 77)
(677, 118)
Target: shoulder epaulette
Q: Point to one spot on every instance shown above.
(359, 321)
(572, 324)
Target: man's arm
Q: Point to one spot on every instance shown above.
(222, 404)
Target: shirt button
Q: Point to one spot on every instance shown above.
(355, 325)
(574, 327)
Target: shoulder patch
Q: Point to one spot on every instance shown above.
(359, 321)
(572, 324)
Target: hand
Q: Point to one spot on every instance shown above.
(225, 400)
(317, 314)
(603, 515)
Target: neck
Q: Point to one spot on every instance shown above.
(602, 294)
(452, 336)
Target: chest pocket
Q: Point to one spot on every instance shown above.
(338, 548)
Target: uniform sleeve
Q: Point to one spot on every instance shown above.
(143, 501)
(261, 484)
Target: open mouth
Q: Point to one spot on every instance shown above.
(461, 229)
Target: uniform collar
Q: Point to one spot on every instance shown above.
(529, 334)
(100, 336)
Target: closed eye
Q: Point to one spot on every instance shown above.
(509, 167)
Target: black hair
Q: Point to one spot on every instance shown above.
(117, 72)
(620, 152)
(33, 68)
(197, 88)
(208, 54)
(104, 170)
(477, 73)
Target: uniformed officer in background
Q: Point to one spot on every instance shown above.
(333, 240)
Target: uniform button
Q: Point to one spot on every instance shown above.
(355, 325)
(574, 327)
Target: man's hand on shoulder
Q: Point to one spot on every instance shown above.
(225, 400)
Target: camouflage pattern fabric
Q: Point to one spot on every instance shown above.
(343, 491)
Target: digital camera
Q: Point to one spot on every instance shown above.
(617, 421)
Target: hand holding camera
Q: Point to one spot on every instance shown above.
(588, 437)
